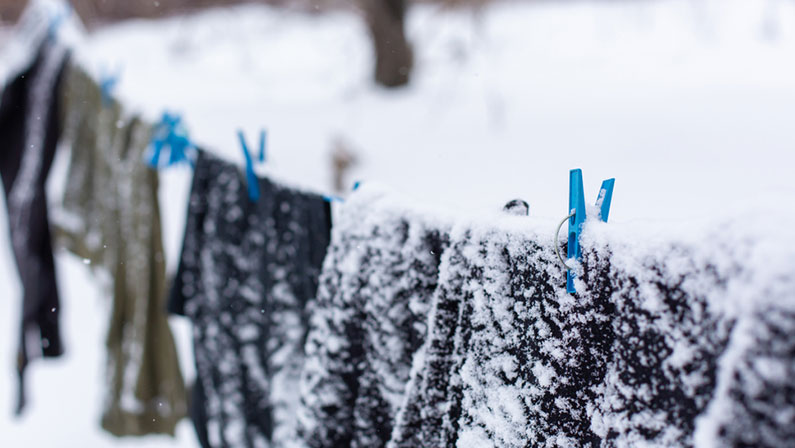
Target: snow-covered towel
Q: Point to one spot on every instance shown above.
(246, 273)
(648, 353)
(28, 138)
(368, 321)
(704, 335)
(490, 373)
(678, 343)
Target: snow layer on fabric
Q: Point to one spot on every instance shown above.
(652, 350)
(369, 319)
(247, 271)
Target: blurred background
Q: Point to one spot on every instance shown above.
(463, 104)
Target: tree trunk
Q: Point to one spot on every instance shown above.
(11, 9)
(393, 55)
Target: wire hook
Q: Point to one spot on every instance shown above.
(557, 240)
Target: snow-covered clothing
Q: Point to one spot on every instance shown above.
(247, 271)
(28, 138)
(368, 322)
(651, 350)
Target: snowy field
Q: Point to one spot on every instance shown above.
(688, 103)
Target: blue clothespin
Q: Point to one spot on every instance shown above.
(332, 198)
(578, 216)
(170, 133)
(356, 185)
(160, 138)
(262, 145)
(179, 145)
(107, 84)
(251, 177)
(605, 198)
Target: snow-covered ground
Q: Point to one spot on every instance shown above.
(688, 103)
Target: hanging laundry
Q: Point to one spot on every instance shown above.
(369, 320)
(509, 360)
(247, 271)
(666, 339)
(28, 139)
(633, 359)
(649, 351)
(111, 219)
(754, 403)
(704, 348)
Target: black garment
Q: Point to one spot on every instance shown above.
(652, 350)
(198, 414)
(29, 131)
(512, 360)
(515, 361)
(369, 320)
(755, 403)
(666, 338)
(247, 271)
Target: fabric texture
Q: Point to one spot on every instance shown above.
(198, 413)
(368, 322)
(29, 130)
(756, 404)
(663, 345)
(246, 274)
(514, 361)
(111, 218)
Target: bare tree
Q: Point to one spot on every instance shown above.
(393, 55)
(385, 19)
(11, 9)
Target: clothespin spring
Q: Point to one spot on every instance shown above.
(557, 240)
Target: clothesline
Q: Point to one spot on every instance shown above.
(397, 326)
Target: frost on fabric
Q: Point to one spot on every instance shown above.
(633, 359)
(666, 341)
(754, 402)
(368, 321)
(681, 343)
(506, 364)
(28, 134)
(756, 405)
(247, 271)
(31, 30)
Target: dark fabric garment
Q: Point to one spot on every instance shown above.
(512, 360)
(110, 218)
(652, 351)
(666, 339)
(433, 394)
(29, 131)
(247, 271)
(198, 414)
(368, 322)
(516, 361)
(756, 403)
